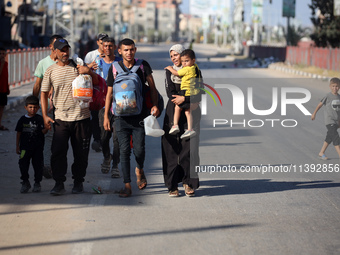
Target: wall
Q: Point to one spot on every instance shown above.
(324, 58)
(320, 57)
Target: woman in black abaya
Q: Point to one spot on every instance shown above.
(179, 157)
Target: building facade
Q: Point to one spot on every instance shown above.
(155, 20)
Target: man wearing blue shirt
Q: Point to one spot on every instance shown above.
(109, 47)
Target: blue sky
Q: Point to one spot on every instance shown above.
(272, 12)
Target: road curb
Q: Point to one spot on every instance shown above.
(16, 101)
(281, 68)
(18, 95)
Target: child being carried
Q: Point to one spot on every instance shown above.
(189, 87)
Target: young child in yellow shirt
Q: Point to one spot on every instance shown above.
(188, 74)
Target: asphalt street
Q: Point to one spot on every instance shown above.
(263, 189)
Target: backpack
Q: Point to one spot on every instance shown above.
(99, 95)
(146, 90)
(127, 91)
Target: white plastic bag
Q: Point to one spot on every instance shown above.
(82, 90)
(152, 127)
(82, 86)
(77, 60)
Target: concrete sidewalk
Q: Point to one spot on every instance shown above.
(18, 94)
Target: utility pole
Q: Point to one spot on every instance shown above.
(288, 31)
(25, 22)
(112, 17)
(56, 23)
(72, 30)
(238, 24)
(288, 10)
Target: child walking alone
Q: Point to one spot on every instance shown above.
(189, 72)
(332, 117)
(30, 144)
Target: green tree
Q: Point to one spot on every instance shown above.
(326, 25)
(296, 33)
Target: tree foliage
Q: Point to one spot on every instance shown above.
(296, 33)
(326, 25)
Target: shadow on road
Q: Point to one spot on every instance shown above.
(129, 236)
(234, 187)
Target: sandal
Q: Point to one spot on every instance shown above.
(141, 180)
(125, 192)
(190, 192)
(2, 128)
(323, 157)
(173, 193)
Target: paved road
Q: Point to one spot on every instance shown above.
(234, 212)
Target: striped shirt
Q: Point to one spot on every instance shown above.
(61, 77)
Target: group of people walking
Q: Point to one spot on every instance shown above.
(63, 120)
(67, 121)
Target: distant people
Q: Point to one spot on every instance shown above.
(188, 88)
(30, 144)
(92, 55)
(43, 65)
(90, 61)
(332, 117)
(71, 121)
(179, 156)
(39, 74)
(130, 125)
(90, 45)
(109, 48)
(4, 86)
(191, 44)
(81, 49)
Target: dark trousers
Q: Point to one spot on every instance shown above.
(95, 125)
(125, 127)
(37, 157)
(79, 132)
(179, 156)
(106, 136)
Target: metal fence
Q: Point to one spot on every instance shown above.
(22, 64)
(307, 56)
(320, 57)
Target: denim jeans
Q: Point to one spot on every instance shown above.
(105, 139)
(95, 125)
(125, 127)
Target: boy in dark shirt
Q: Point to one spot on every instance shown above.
(30, 144)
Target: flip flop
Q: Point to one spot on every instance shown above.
(190, 192)
(323, 157)
(142, 183)
(174, 193)
(125, 192)
(2, 128)
(141, 180)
